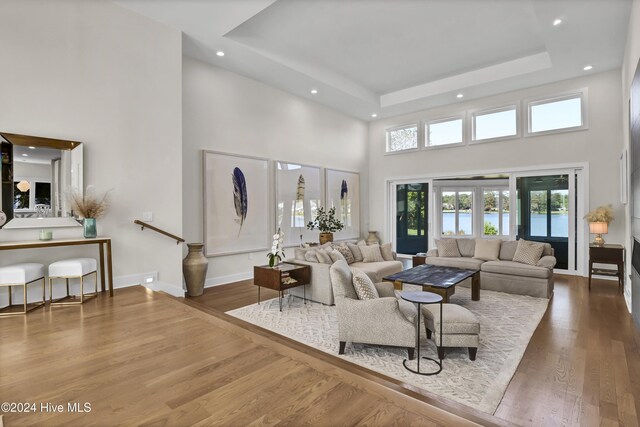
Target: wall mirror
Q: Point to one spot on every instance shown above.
(37, 176)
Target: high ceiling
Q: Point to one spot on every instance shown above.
(394, 57)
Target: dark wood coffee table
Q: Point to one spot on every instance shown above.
(437, 279)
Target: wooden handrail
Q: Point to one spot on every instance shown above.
(157, 230)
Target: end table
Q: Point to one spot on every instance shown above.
(421, 297)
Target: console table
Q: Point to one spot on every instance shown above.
(104, 243)
(607, 254)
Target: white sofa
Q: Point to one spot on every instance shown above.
(320, 288)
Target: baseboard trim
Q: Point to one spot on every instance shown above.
(149, 281)
(231, 278)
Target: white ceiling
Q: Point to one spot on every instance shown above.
(394, 57)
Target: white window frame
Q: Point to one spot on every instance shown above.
(427, 123)
(584, 115)
(501, 230)
(472, 121)
(400, 127)
(457, 190)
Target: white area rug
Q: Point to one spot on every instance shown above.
(507, 323)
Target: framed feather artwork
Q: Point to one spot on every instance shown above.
(343, 193)
(237, 215)
(298, 195)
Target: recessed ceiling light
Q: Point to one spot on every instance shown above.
(588, 67)
(374, 115)
(314, 91)
(557, 22)
(459, 95)
(220, 53)
(25, 155)
(31, 147)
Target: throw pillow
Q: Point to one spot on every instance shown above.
(336, 255)
(387, 252)
(310, 256)
(447, 248)
(355, 250)
(528, 252)
(371, 253)
(487, 249)
(346, 252)
(361, 242)
(363, 285)
(323, 256)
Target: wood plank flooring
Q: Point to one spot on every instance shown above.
(143, 358)
(582, 366)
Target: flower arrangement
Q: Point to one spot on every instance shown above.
(89, 205)
(326, 221)
(277, 253)
(601, 214)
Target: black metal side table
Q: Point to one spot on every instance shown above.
(421, 297)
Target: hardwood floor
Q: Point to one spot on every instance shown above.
(143, 358)
(582, 366)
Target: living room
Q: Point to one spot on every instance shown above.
(149, 88)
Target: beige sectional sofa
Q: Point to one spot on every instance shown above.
(503, 275)
(320, 288)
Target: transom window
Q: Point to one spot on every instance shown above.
(498, 123)
(402, 138)
(561, 113)
(457, 212)
(444, 132)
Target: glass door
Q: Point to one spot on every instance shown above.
(411, 218)
(544, 214)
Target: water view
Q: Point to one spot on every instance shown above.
(559, 223)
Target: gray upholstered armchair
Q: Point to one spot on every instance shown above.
(382, 321)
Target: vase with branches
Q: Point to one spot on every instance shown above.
(89, 207)
(327, 223)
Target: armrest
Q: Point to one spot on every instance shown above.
(547, 261)
(372, 311)
(432, 253)
(385, 289)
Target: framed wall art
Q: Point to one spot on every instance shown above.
(298, 196)
(236, 204)
(343, 193)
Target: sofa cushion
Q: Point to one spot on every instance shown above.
(508, 250)
(363, 285)
(323, 256)
(311, 256)
(528, 252)
(461, 262)
(355, 250)
(345, 251)
(342, 280)
(377, 270)
(336, 255)
(467, 247)
(457, 319)
(487, 249)
(371, 253)
(513, 268)
(387, 252)
(447, 248)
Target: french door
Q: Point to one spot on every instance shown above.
(411, 219)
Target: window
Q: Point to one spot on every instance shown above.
(499, 123)
(443, 132)
(457, 212)
(402, 138)
(564, 113)
(496, 213)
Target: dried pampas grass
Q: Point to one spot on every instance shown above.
(89, 205)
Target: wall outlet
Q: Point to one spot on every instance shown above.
(147, 216)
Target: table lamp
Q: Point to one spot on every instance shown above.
(598, 228)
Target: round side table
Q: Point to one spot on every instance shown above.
(419, 298)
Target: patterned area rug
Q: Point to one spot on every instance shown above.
(507, 323)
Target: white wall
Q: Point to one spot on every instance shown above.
(226, 112)
(631, 58)
(31, 170)
(600, 146)
(98, 73)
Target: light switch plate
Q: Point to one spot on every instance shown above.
(147, 216)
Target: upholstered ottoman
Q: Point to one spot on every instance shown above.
(461, 327)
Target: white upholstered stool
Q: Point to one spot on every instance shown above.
(74, 268)
(22, 275)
